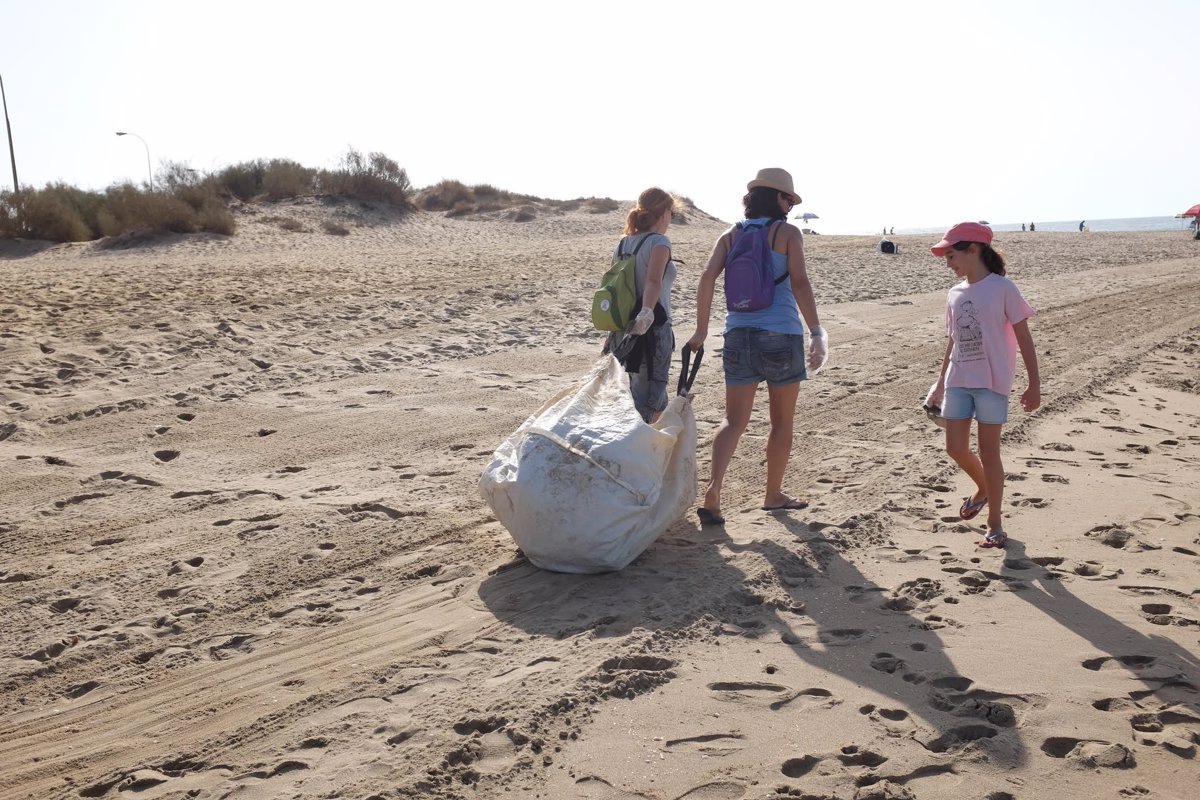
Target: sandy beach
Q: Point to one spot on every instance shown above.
(243, 553)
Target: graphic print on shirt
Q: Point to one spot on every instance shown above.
(968, 334)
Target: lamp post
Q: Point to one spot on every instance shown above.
(149, 171)
(11, 153)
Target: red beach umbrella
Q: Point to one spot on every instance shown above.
(1194, 211)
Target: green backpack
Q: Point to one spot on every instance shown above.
(616, 301)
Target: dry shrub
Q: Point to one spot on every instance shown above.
(283, 179)
(485, 191)
(176, 175)
(128, 208)
(445, 196)
(600, 205)
(58, 213)
(293, 225)
(216, 219)
(370, 177)
(243, 181)
(461, 209)
(335, 228)
(523, 214)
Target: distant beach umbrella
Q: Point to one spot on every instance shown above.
(1194, 211)
(807, 215)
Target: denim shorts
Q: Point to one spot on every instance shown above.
(984, 405)
(753, 355)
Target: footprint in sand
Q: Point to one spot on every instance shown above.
(833, 637)
(1095, 571)
(959, 738)
(1174, 728)
(1018, 499)
(774, 695)
(1089, 753)
(709, 744)
(1166, 614)
(628, 676)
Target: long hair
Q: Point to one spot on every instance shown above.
(763, 201)
(992, 258)
(650, 206)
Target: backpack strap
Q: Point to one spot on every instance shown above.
(635, 250)
(778, 224)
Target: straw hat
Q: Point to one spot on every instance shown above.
(775, 178)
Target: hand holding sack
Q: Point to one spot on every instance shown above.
(642, 322)
(818, 351)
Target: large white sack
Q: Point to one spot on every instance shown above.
(584, 485)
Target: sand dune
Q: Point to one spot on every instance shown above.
(242, 551)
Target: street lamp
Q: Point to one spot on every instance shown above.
(11, 153)
(149, 171)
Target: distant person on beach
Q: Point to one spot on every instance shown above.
(1022, 227)
(1032, 228)
(763, 345)
(648, 358)
(1081, 225)
(893, 231)
(987, 323)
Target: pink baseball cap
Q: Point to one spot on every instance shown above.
(963, 232)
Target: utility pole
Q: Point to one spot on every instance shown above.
(11, 153)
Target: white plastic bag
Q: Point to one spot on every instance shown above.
(584, 485)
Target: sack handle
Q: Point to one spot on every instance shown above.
(686, 377)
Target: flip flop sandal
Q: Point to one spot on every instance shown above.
(993, 539)
(790, 505)
(970, 508)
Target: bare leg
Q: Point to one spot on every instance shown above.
(779, 442)
(739, 402)
(993, 470)
(958, 446)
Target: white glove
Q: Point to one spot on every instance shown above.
(642, 322)
(933, 397)
(818, 351)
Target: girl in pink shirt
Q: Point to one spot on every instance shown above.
(987, 323)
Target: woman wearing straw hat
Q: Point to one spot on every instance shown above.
(765, 344)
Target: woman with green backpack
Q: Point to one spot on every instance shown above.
(647, 345)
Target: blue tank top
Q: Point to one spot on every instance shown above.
(782, 316)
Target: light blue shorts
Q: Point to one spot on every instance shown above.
(984, 405)
(753, 355)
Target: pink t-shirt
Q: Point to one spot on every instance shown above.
(979, 318)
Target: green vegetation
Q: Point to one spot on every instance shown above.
(185, 200)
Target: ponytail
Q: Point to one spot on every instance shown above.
(993, 259)
(651, 205)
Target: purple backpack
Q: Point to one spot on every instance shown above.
(750, 268)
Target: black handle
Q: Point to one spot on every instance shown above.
(686, 377)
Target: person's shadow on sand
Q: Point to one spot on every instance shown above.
(810, 596)
(1168, 672)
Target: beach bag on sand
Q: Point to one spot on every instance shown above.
(887, 246)
(616, 301)
(750, 268)
(584, 485)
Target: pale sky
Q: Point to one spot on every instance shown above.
(917, 114)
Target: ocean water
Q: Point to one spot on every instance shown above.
(1072, 226)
